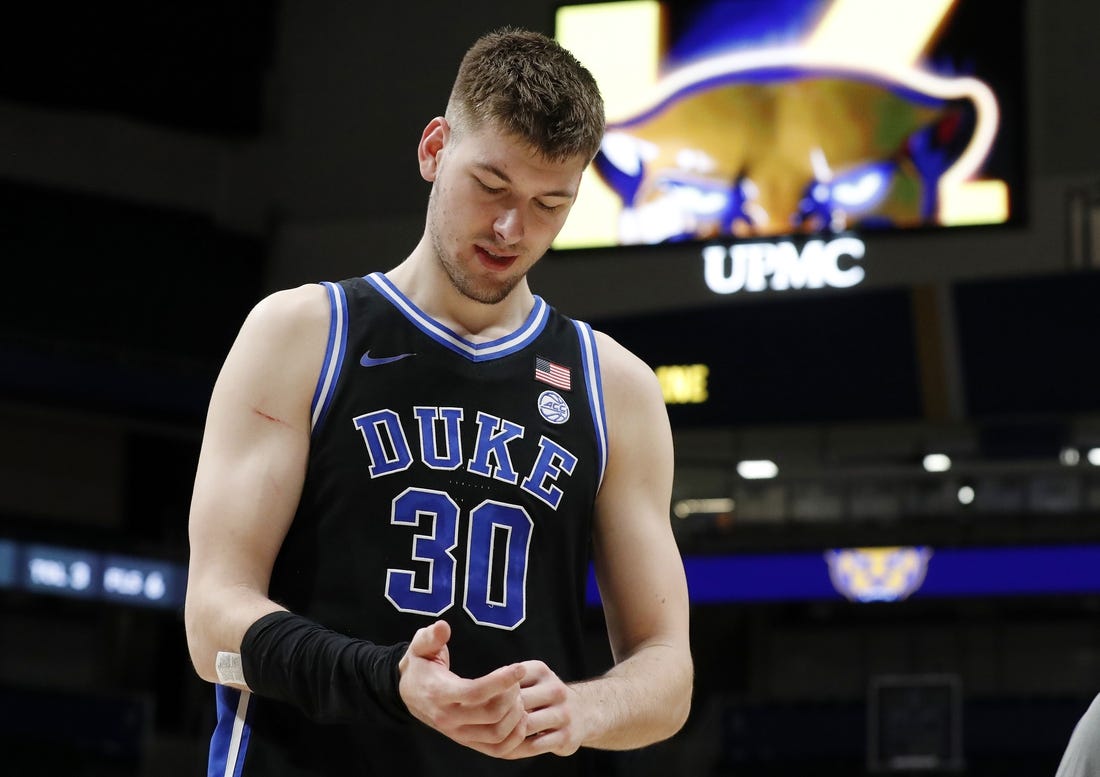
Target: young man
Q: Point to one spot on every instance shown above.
(403, 478)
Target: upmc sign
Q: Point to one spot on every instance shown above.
(781, 266)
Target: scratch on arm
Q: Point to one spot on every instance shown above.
(268, 417)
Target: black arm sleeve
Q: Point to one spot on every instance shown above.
(331, 677)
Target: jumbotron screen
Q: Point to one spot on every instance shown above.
(741, 119)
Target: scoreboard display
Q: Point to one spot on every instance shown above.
(91, 575)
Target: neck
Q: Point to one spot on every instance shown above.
(422, 279)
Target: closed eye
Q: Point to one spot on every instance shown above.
(495, 190)
(486, 188)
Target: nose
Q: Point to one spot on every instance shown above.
(508, 226)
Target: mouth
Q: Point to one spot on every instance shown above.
(494, 261)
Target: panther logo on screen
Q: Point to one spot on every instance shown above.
(878, 574)
(787, 148)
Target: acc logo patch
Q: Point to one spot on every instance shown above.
(553, 408)
(878, 574)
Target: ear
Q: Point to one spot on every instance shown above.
(431, 147)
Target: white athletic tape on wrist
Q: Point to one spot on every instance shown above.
(229, 668)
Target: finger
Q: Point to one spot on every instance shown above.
(546, 721)
(534, 671)
(535, 697)
(544, 694)
(537, 743)
(502, 735)
(515, 739)
(430, 640)
(511, 748)
(500, 682)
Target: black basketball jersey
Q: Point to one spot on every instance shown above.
(446, 479)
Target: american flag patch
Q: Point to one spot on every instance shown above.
(554, 374)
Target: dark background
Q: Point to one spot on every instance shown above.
(164, 166)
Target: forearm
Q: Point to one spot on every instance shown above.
(216, 624)
(329, 676)
(274, 653)
(641, 700)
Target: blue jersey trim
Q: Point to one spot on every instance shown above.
(478, 352)
(591, 369)
(231, 736)
(334, 354)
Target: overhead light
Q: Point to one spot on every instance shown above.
(1094, 457)
(716, 506)
(937, 462)
(1071, 457)
(966, 495)
(757, 469)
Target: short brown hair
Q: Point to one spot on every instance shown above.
(530, 86)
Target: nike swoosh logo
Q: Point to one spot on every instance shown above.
(371, 361)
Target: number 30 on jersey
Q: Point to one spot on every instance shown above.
(501, 606)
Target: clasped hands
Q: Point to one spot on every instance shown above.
(516, 711)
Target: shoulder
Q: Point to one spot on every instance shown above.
(640, 452)
(287, 328)
(630, 386)
(287, 310)
(619, 367)
(276, 357)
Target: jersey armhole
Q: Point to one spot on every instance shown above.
(334, 354)
(590, 361)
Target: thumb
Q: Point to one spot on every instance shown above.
(430, 640)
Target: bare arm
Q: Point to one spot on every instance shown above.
(646, 696)
(251, 469)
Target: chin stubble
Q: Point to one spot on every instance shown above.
(463, 283)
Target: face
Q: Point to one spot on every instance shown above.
(495, 206)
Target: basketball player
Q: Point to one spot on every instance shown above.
(1082, 754)
(404, 476)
